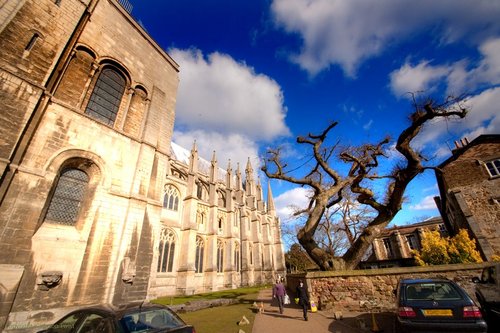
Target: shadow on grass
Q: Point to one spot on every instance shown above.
(239, 294)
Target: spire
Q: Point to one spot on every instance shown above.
(260, 195)
(213, 168)
(238, 177)
(229, 175)
(249, 169)
(270, 201)
(249, 181)
(193, 159)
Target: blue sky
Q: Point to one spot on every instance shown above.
(256, 74)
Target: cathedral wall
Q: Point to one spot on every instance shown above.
(32, 36)
(107, 256)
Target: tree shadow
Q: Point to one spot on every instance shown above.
(366, 322)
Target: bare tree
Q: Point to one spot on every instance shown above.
(342, 224)
(328, 184)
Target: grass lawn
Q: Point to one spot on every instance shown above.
(221, 319)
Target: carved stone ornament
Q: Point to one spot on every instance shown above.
(128, 270)
(48, 280)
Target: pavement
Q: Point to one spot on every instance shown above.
(292, 321)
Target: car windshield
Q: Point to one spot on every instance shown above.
(150, 320)
(432, 291)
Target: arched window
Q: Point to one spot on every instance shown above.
(171, 198)
(237, 257)
(220, 256)
(106, 96)
(166, 251)
(200, 244)
(67, 197)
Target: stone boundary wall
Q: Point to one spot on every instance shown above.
(372, 289)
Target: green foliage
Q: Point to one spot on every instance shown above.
(437, 250)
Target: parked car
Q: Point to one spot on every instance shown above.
(131, 318)
(488, 295)
(436, 305)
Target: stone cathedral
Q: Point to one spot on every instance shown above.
(97, 204)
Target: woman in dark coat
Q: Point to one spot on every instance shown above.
(303, 298)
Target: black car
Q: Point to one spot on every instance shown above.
(488, 295)
(130, 318)
(435, 305)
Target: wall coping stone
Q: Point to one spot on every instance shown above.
(394, 270)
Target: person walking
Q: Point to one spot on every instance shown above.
(303, 298)
(279, 293)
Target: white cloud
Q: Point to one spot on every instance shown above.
(219, 94)
(483, 118)
(413, 79)
(425, 204)
(287, 201)
(226, 107)
(233, 147)
(345, 33)
(460, 77)
(368, 125)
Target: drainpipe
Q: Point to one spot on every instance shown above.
(50, 87)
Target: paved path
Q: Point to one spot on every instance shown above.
(291, 321)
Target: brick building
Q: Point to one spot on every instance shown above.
(469, 188)
(96, 203)
(394, 246)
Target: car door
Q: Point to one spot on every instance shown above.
(83, 322)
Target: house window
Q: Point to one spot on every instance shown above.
(68, 195)
(442, 229)
(171, 198)
(106, 96)
(220, 256)
(166, 251)
(388, 248)
(237, 257)
(493, 168)
(220, 223)
(199, 255)
(412, 242)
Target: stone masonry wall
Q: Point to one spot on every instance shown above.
(373, 290)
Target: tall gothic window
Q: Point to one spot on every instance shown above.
(67, 197)
(199, 255)
(220, 256)
(250, 249)
(106, 96)
(237, 257)
(171, 198)
(166, 251)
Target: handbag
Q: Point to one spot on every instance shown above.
(286, 300)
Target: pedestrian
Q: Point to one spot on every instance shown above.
(303, 298)
(279, 293)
